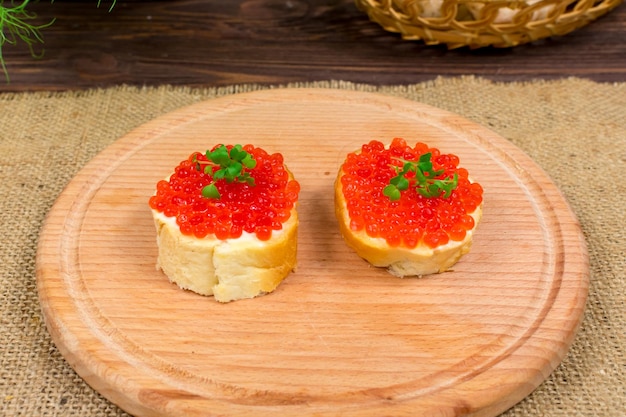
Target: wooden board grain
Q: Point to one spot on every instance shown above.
(338, 337)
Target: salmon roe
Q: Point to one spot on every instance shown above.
(413, 218)
(259, 209)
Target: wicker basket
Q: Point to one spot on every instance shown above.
(479, 23)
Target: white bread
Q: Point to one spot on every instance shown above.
(507, 14)
(229, 269)
(238, 245)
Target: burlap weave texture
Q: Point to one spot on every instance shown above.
(575, 129)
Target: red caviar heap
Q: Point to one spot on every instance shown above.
(259, 208)
(413, 218)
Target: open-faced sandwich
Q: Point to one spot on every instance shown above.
(227, 223)
(410, 209)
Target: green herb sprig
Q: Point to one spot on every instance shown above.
(15, 26)
(232, 167)
(425, 180)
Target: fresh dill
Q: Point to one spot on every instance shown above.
(16, 24)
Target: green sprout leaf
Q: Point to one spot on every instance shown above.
(232, 166)
(424, 180)
(400, 182)
(210, 191)
(219, 156)
(248, 161)
(392, 192)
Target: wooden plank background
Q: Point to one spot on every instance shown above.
(217, 42)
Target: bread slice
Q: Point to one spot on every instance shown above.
(229, 269)
(400, 260)
(237, 241)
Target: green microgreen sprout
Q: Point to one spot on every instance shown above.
(424, 181)
(232, 166)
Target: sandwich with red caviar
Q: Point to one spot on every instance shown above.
(410, 209)
(227, 223)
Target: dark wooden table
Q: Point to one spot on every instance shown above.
(220, 42)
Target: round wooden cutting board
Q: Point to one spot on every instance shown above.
(338, 337)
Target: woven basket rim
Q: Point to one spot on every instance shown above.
(475, 23)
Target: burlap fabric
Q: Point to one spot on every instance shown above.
(575, 129)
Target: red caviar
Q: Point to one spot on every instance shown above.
(260, 208)
(413, 218)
